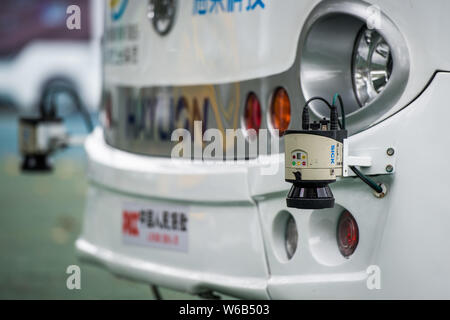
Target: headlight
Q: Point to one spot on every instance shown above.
(338, 53)
(291, 237)
(372, 65)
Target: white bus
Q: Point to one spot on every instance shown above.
(224, 226)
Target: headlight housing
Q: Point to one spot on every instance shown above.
(339, 54)
(372, 65)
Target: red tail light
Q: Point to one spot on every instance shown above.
(280, 111)
(347, 234)
(252, 113)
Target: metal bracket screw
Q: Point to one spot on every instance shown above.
(390, 152)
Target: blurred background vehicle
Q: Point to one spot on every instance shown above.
(38, 52)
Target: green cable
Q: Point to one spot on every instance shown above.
(334, 98)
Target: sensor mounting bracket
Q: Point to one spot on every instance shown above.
(371, 161)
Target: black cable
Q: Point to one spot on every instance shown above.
(47, 106)
(342, 109)
(324, 101)
(83, 111)
(50, 94)
(367, 180)
(317, 98)
(156, 293)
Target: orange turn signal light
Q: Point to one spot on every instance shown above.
(280, 111)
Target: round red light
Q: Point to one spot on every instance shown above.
(280, 111)
(252, 113)
(347, 234)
